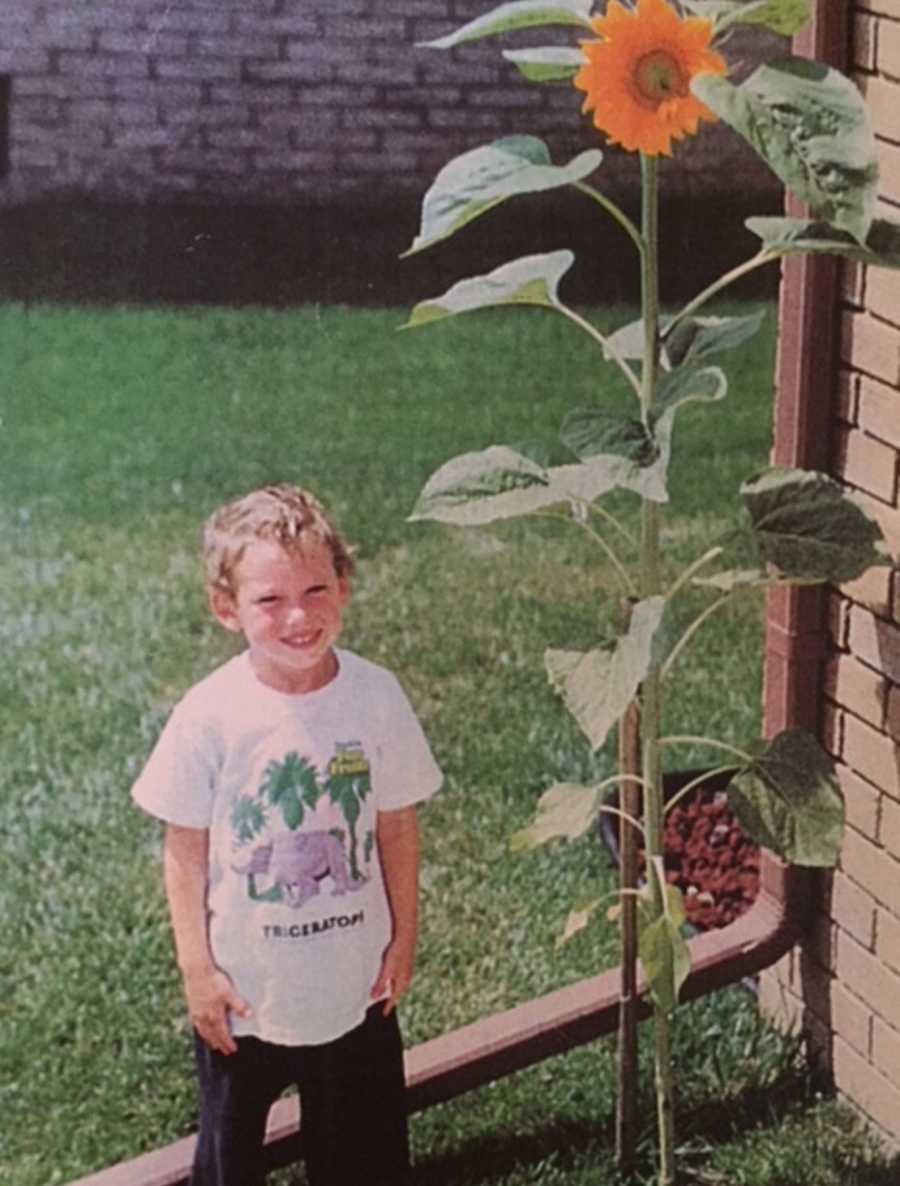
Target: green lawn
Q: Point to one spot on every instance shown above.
(119, 431)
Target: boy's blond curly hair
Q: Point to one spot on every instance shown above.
(284, 513)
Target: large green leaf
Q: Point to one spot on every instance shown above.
(789, 800)
(518, 14)
(662, 948)
(597, 686)
(501, 483)
(644, 452)
(807, 526)
(549, 63)
(590, 432)
(692, 339)
(566, 810)
(471, 184)
(785, 17)
(696, 338)
(533, 280)
(810, 125)
(792, 235)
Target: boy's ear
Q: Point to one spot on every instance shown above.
(224, 609)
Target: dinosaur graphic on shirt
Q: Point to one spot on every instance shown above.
(294, 861)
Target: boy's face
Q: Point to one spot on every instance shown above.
(288, 606)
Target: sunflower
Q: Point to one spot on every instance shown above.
(637, 78)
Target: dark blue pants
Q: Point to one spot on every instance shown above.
(352, 1107)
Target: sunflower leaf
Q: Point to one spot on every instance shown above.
(597, 686)
(810, 125)
(517, 14)
(565, 811)
(808, 528)
(785, 17)
(663, 951)
(500, 483)
(788, 799)
(644, 452)
(532, 280)
(696, 338)
(794, 235)
(551, 63)
(475, 182)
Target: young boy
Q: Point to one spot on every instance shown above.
(287, 780)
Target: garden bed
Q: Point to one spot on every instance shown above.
(708, 856)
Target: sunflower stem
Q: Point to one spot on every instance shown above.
(651, 703)
(760, 260)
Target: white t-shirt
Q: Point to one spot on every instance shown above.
(289, 787)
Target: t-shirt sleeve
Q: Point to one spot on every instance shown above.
(406, 771)
(177, 784)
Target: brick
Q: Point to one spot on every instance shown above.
(868, 979)
(311, 71)
(889, 166)
(847, 396)
(876, 642)
(143, 138)
(886, 1050)
(838, 621)
(206, 115)
(263, 139)
(873, 590)
(283, 26)
(191, 69)
(314, 161)
(871, 346)
(127, 41)
(780, 1006)
(131, 65)
(887, 519)
(889, 827)
(865, 41)
(893, 714)
(878, 409)
(189, 19)
(360, 31)
(851, 1018)
(24, 62)
(871, 754)
(866, 463)
(888, 49)
(861, 802)
(148, 90)
(870, 867)
(882, 97)
(883, 286)
(858, 688)
(853, 910)
(852, 282)
(863, 1084)
(887, 941)
(881, 7)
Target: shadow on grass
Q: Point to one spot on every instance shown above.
(585, 1147)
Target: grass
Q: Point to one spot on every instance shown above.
(121, 430)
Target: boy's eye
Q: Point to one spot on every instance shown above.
(268, 599)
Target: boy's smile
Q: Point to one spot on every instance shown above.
(288, 606)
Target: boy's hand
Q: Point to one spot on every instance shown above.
(395, 975)
(210, 997)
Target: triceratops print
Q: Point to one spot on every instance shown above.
(296, 862)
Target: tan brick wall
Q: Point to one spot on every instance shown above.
(843, 984)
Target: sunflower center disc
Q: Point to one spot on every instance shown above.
(658, 77)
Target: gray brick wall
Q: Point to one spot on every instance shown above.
(275, 101)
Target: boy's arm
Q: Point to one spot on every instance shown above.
(209, 993)
(397, 833)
